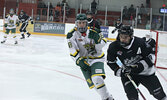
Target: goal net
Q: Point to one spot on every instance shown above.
(161, 48)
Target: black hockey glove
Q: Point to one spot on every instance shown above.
(113, 31)
(32, 22)
(82, 63)
(5, 25)
(17, 24)
(136, 68)
(122, 72)
(95, 36)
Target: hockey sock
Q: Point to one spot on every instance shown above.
(100, 86)
(5, 37)
(14, 37)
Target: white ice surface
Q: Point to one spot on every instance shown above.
(40, 68)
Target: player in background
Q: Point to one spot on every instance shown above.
(24, 18)
(85, 47)
(91, 22)
(148, 38)
(118, 25)
(11, 21)
(134, 54)
(150, 41)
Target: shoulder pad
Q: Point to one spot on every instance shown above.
(7, 16)
(70, 33)
(95, 29)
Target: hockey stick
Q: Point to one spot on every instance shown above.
(134, 84)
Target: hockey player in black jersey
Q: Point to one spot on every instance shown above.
(92, 23)
(134, 52)
(148, 38)
(118, 25)
(24, 18)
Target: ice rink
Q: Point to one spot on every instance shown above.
(40, 68)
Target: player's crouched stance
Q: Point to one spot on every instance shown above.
(11, 21)
(85, 47)
(134, 54)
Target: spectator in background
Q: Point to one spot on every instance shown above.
(131, 11)
(158, 25)
(94, 7)
(51, 6)
(58, 10)
(147, 3)
(142, 10)
(125, 12)
(41, 4)
(148, 26)
(67, 8)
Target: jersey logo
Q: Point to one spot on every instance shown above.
(119, 52)
(139, 51)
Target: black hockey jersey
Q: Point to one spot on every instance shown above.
(94, 24)
(24, 18)
(137, 52)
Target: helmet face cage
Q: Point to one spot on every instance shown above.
(11, 12)
(81, 18)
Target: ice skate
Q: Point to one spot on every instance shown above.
(28, 34)
(110, 98)
(23, 37)
(16, 42)
(3, 42)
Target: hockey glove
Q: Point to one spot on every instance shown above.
(121, 72)
(136, 68)
(17, 24)
(82, 63)
(32, 22)
(5, 25)
(95, 36)
(113, 31)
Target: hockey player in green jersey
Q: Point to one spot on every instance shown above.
(85, 47)
(11, 21)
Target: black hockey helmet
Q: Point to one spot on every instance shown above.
(89, 13)
(22, 12)
(79, 18)
(126, 30)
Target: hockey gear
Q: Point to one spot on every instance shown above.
(5, 25)
(89, 13)
(3, 42)
(81, 23)
(32, 22)
(125, 35)
(110, 98)
(121, 72)
(11, 12)
(22, 12)
(82, 63)
(134, 84)
(17, 24)
(23, 37)
(101, 88)
(95, 36)
(16, 42)
(126, 29)
(81, 17)
(113, 31)
(28, 34)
